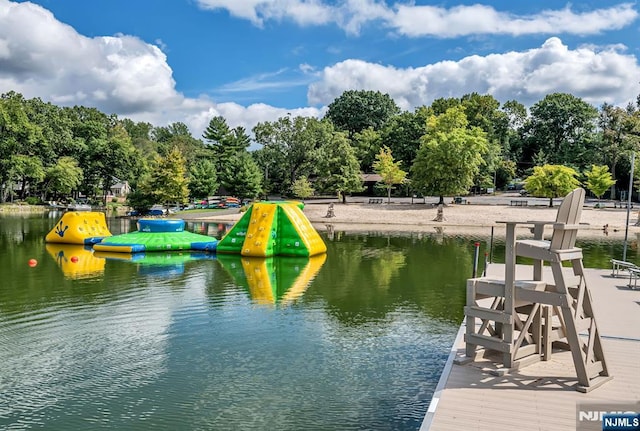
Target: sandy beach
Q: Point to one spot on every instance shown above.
(459, 218)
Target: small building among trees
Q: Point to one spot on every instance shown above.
(369, 182)
(120, 189)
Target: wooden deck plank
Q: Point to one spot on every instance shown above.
(542, 396)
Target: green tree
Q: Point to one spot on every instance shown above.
(90, 129)
(113, 158)
(356, 110)
(18, 136)
(441, 104)
(338, 167)
(402, 135)
(516, 115)
(487, 175)
(617, 133)
(56, 138)
(169, 182)
(289, 148)
(505, 172)
(224, 142)
(142, 198)
(176, 134)
(26, 170)
(483, 111)
(389, 170)
(551, 181)
(367, 144)
(450, 155)
(203, 179)
(599, 179)
(244, 178)
(62, 178)
(562, 127)
(302, 188)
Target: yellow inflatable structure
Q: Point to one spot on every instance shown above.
(273, 229)
(83, 228)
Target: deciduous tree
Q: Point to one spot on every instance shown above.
(338, 167)
(356, 110)
(551, 181)
(402, 134)
(26, 170)
(62, 178)
(617, 130)
(389, 170)
(169, 182)
(18, 136)
(367, 144)
(561, 126)
(302, 188)
(599, 179)
(450, 155)
(290, 147)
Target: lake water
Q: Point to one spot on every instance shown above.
(354, 340)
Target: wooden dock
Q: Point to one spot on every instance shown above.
(542, 396)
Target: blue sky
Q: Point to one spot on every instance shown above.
(257, 60)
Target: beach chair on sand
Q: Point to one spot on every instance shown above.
(528, 316)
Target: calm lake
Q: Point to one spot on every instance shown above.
(354, 340)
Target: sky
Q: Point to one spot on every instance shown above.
(252, 61)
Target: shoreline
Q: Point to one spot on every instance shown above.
(460, 219)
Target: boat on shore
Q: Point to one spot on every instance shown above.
(71, 207)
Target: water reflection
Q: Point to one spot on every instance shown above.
(161, 264)
(368, 275)
(81, 262)
(271, 280)
(216, 230)
(362, 347)
(76, 261)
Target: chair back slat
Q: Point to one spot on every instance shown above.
(569, 212)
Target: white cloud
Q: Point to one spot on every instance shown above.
(247, 116)
(597, 76)
(307, 68)
(413, 20)
(303, 12)
(281, 79)
(354, 14)
(42, 57)
(476, 19)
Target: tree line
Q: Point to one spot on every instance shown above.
(49, 152)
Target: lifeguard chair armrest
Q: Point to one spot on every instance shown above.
(540, 222)
(514, 222)
(563, 226)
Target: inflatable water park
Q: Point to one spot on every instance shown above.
(80, 228)
(273, 229)
(266, 229)
(157, 235)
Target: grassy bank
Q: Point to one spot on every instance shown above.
(22, 208)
